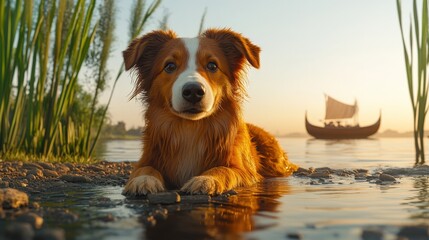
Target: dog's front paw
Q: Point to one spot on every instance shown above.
(143, 185)
(203, 185)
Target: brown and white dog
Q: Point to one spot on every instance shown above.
(195, 137)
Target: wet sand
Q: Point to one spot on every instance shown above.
(34, 198)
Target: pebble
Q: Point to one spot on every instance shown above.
(414, 232)
(36, 172)
(69, 165)
(35, 220)
(372, 234)
(323, 169)
(50, 234)
(62, 168)
(361, 176)
(164, 198)
(74, 178)
(361, 170)
(302, 170)
(417, 170)
(294, 236)
(10, 169)
(19, 231)
(95, 168)
(50, 173)
(30, 165)
(30, 177)
(378, 181)
(12, 198)
(386, 178)
(195, 198)
(343, 173)
(47, 165)
(371, 177)
(324, 174)
(314, 182)
(323, 181)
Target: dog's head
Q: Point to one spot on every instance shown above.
(190, 76)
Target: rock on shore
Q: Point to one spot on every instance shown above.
(33, 177)
(25, 219)
(12, 198)
(21, 180)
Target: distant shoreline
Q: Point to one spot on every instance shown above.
(385, 134)
(294, 135)
(120, 137)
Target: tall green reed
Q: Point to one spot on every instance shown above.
(417, 77)
(39, 68)
(43, 47)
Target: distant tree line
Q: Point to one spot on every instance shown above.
(120, 131)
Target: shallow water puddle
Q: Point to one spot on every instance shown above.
(273, 209)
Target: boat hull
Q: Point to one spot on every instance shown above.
(341, 132)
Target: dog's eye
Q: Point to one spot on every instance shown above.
(170, 67)
(211, 66)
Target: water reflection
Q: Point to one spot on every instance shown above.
(274, 207)
(420, 201)
(362, 153)
(330, 142)
(118, 150)
(225, 219)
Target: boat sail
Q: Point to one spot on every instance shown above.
(338, 110)
(337, 118)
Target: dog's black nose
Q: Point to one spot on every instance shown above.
(193, 92)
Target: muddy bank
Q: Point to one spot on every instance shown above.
(30, 177)
(26, 188)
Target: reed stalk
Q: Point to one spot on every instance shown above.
(203, 19)
(139, 18)
(44, 45)
(417, 78)
(40, 63)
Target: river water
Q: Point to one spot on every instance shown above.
(276, 208)
(362, 153)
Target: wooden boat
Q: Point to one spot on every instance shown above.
(338, 112)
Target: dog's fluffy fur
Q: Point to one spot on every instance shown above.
(204, 147)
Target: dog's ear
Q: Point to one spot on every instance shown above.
(141, 54)
(236, 48)
(148, 45)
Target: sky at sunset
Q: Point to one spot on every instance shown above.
(345, 48)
